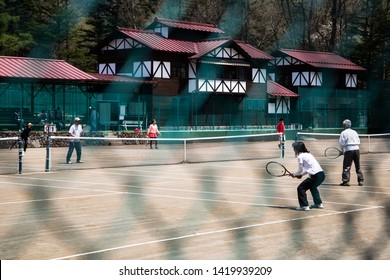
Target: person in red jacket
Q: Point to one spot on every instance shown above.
(280, 129)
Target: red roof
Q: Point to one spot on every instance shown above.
(37, 68)
(252, 51)
(157, 42)
(189, 25)
(275, 89)
(197, 49)
(202, 48)
(322, 59)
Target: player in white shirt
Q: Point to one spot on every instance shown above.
(75, 130)
(349, 142)
(307, 164)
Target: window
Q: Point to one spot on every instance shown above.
(222, 72)
(179, 71)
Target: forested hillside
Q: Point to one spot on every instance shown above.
(71, 29)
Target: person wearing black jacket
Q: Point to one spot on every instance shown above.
(24, 135)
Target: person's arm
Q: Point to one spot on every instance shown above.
(147, 133)
(301, 171)
(71, 131)
(342, 141)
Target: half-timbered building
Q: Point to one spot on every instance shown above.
(189, 75)
(202, 78)
(330, 87)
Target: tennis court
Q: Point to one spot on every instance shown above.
(210, 210)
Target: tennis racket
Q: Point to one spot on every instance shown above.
(276, 169)
(333, 153)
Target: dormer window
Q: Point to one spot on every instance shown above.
(162, 30)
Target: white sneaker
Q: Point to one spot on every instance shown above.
(320, 206)
(69, 162)
(303, 208)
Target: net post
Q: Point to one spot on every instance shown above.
(369, 144)
(47, 164)
(185, 151)
(20, 154)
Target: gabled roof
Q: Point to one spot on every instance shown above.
(196, 26)
(205, 47)
(275, 89)
(322, 59)
(157, 42)
(195, 49)
(252, 51)
(38, 68)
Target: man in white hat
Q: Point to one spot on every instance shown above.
(75, 130)
(349, 142)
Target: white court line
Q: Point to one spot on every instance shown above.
(181, 197)
(54, 199)
(209, 233)
(176, 176)
(252, 181)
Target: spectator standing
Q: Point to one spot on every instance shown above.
(17, 120)
(94, 119)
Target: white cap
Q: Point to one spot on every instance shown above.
(77, 119)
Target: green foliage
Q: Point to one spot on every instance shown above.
(72, 29)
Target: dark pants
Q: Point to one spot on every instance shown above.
(72, 146)
(311, 184)
(151, 142)
(349, 157)
(25, 143)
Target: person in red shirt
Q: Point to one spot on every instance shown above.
(280, 129)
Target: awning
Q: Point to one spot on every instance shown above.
(276, 90)
(230, 63)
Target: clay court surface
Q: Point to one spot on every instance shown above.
(191, 211)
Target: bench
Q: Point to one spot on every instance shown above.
(131, 124)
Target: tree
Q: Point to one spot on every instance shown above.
(13, 42)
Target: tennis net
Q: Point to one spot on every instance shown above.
(105, 152)
(317, 143)
(9, 155)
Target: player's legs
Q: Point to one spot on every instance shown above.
(25, 144)
(301, 191)
(317, 180)
(347, 163)
(356, 161)
(78, 150)
(70, 151)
